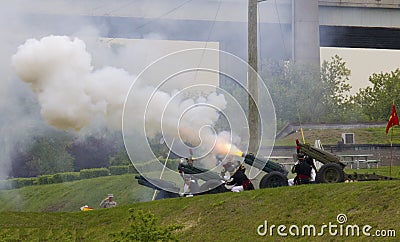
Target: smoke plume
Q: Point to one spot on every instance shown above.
(72, 93)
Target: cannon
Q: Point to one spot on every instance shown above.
(166, 189)
(276, 174)
(332, 169)
(170, 189)
(213, 182)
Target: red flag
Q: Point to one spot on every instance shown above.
(393, 119)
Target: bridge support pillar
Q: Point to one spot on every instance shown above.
(305, 32)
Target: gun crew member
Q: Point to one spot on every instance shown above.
(240, 181)
(302, 170)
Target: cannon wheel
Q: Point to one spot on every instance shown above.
(330, 173)
(212, 187)
(273, 179)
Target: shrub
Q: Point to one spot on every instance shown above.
(45, 179)
(118, 170)
(22, 182)
(95, 172)
(151, 165)
(144, 227)
(16, 183)
(66, 177)
(5, 185)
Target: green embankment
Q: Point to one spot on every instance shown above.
(220, 217)
(70, 196)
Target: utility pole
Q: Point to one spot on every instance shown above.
(252, 78)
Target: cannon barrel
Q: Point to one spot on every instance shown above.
(267, 166)
(206, 175)
(157, 184)
(318, 154)
(199, 173)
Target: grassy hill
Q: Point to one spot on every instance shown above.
(219, 217)
(70, 196)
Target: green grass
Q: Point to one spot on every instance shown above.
(332, 136)
(384, 171)
(70, 196)
(229, 215)
(219, 217)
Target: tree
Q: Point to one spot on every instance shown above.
(49, 156)
(294, 90)
(305, 93)
(92, 152)
(375, 102)
(121, 158)
(20, 159)
(336, 90)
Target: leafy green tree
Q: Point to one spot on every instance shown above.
(294, 90)
(336, 92)
(49, 155)
(120, 159)
(376, 101)
(144, 227)
(92, 152)
(305, 93)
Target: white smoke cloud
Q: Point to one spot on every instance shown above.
(71, 93)
(58, 69)
(61, 76)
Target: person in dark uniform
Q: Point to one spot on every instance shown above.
(310, 162)
(302, 170)
(240, 181)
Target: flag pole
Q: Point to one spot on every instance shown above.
(391, 156)
(391, 138)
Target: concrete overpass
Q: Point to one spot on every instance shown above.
(288, 29)
(360, 24)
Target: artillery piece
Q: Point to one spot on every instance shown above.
(276, 174)
(213, 182)
(330, 172)
(332, 169)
